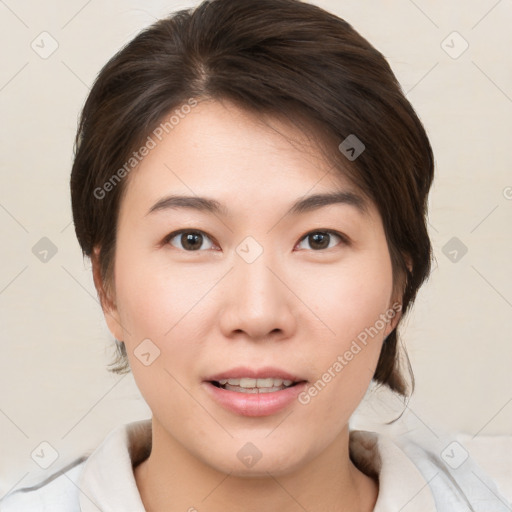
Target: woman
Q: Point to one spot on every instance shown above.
(251, 186)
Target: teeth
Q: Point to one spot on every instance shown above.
(248, 383)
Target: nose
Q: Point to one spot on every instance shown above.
(258, 302)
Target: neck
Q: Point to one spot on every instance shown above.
(173, 479)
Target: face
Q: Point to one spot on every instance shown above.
(251, 289)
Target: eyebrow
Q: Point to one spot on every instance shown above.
(303, 205)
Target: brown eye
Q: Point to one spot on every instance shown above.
(319, 240)
(188, 240)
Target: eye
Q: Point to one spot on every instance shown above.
(190, 240)
(321, 239)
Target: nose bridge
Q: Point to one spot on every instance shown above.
(259, 302)
(257, 287)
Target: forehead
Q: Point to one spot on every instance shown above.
(218, 150)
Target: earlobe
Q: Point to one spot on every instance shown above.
(408, 262)
(98, 281)
(393, 315)
(396, 308)
(108, 304)
(394, 321)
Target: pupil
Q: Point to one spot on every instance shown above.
(191, 239)
(319, 237)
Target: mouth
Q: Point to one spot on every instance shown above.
(254, 393)
(247, 380)
(251, 385)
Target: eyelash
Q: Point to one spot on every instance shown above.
(344, 240)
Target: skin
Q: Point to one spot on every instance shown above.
(297, 306)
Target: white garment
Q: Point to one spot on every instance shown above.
(412, 477)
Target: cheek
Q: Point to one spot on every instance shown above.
(353, 309)
(350, 298)
(155, 298)
(161, 315)
(166, 305)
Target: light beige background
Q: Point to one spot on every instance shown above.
(55, 345)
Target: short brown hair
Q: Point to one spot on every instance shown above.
(282, 58)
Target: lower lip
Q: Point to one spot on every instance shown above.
(254, 404)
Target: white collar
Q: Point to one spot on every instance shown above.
(107, 482)
(401, 485)
(108, 477)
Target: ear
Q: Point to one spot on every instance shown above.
(394, 312)
(408, 262)
(107, 298)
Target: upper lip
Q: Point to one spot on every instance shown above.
(254, 373)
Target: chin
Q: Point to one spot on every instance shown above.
(248, 462)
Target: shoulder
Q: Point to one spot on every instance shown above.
(56, 493)
(103, 480)
(418, 465)
(457, 481)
